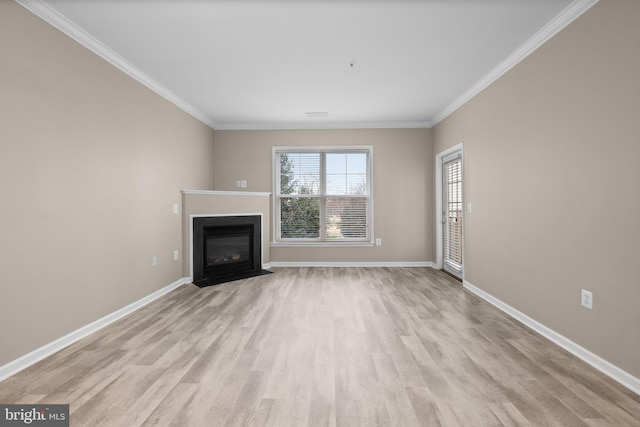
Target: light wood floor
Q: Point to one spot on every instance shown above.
(323, 347)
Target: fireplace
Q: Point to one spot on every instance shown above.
(226, 248)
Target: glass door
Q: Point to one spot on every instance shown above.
(452, 214)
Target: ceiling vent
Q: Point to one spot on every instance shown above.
(317, 114)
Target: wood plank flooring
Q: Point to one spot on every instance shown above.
(323, 347)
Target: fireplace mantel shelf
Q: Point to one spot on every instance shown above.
(226, 193)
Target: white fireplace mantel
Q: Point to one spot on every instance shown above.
(226, 193)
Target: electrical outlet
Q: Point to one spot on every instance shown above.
(154, 261)
(378, 242)
(239, 184)
(244, 183)
(586, 299)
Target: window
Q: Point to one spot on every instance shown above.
(322, 195)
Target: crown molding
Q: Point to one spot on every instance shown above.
(325, 125)
(560, 21)
(62, 23)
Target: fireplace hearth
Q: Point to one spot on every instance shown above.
(226, 248)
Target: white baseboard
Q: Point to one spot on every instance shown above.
(352, 264)
(37, 355)
(607, 368)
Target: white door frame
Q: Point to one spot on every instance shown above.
(439, 238)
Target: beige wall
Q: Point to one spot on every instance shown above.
(91, 163)
(403, 186)
(551, 168)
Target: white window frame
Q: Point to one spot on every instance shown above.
(320, 241)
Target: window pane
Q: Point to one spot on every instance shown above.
(357, 163)
(336, 163)
(300, 217)
(299, 173)
(346, 173)
(347, 218)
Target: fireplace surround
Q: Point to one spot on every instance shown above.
(226, 248)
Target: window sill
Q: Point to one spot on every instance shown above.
(320, 244)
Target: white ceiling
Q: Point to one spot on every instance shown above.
(265, 64)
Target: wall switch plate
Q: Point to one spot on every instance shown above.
(378, 242)
(469, 207)
(244, 183)
(154, 261)
(175, 208)
(586, 299)
(176, 255)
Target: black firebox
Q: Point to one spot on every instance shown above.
(226, 248)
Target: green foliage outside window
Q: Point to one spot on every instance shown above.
(299, 216)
